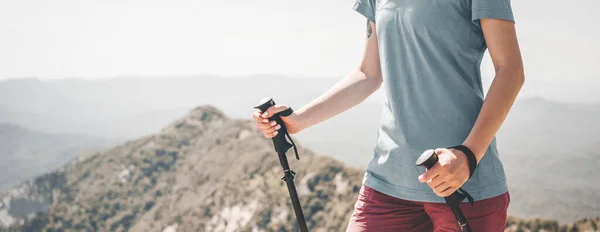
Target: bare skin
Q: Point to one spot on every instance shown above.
(452, 170)
(345, 94)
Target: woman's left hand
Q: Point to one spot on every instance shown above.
(449, 173)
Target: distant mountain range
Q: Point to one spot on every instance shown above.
(126, 128)
(117, 108)
(548, 148)
(26, 154)
(203, 172)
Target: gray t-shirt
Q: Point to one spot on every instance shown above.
(430, 53)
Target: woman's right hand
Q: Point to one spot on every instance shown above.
(270, 128)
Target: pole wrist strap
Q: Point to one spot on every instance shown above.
(285, 113)
(472, 160)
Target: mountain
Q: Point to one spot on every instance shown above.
(124, 128)
(37, 122)
(548, 148)
(204, 172)
(550, 155)
(26, 153)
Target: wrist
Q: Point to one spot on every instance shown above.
(302, 119)
(470, 157)
(478, 151)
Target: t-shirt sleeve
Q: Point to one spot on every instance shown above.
(496, 9)
(366, 8)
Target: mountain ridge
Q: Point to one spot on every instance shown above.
(26, 153)
(203, 172)
(168, 149)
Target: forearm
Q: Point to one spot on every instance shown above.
(345, 94)
(497, 104)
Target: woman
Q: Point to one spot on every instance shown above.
(427, 54)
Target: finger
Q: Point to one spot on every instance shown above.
(439, 151)
(435, 181)
(256, 115)
(447, 192)
(455, 182)
(263, 125)
(268, 136)
(430, 173)
(273, 110)
(258, 118)
(441, 187)
(272, 129)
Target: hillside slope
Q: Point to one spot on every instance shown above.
(548, 148)
(204, 172)
(26, 153)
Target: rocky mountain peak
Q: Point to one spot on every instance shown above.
(198, 119)
(207, 113)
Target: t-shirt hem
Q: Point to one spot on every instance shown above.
(429, 196)
(495, 13)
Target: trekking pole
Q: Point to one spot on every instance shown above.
(281, 147)
(427, 160)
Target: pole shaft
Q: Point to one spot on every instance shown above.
(460, 218)
(281, 146)
(288, 177)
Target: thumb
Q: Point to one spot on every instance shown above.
(439, 151)
(274, 110)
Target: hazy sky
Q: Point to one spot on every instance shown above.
(560, 40)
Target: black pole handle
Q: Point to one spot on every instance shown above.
(279, 142)
(427, 160)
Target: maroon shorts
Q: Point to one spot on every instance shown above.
(375, 211)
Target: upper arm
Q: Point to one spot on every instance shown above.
(496, 20)
(501, 39)
(370, 64)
